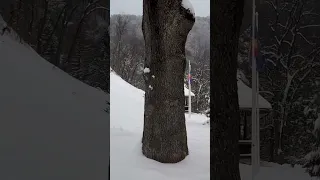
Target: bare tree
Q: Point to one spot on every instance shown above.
(224, 113)
(166, 25)
(120, 28)
(293, 54)
(66, 19)
(88, 10)
(200, 73)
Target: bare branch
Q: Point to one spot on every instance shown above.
(303, 37)
(309, 26)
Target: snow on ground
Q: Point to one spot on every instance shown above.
(52, 125)
(276, 172)
(127, 161)
(126, 104)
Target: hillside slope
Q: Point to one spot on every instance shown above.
(52, 125)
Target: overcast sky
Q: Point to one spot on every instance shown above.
(201, 7)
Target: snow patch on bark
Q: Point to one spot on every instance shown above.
(188, 6)
(146, 70)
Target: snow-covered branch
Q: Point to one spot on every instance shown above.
(272, 5)
(309, 26)
(267, 92)
(281, 25)
(271, 61)
(298, 56)
(303, 37)
(97, 8)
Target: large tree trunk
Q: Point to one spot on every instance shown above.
(225, 117)
(166, 25)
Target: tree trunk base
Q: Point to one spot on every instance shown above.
(166, 150)
(163, 157)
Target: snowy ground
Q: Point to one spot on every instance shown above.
(52, 125)
(275, 172)
(127, 161)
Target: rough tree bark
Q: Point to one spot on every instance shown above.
(165, 26)
(224, 114)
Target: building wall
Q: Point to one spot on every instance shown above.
(266, 133)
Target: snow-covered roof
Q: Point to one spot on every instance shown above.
(245, 97)
(186, 91)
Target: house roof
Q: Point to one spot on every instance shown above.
(245, 97)
(186, 91)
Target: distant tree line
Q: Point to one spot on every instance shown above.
(73, 35)
(127, 54)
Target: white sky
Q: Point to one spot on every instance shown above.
(201, 7)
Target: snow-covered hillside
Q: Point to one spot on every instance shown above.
(52, 125)
(127, 161)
